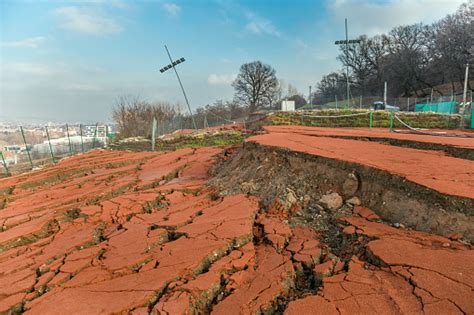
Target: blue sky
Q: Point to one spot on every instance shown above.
(68, 61)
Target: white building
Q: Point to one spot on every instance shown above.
(288, 106)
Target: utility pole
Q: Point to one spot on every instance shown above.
(173, 65)
(385, 93)
(464, 96)
(346, 43)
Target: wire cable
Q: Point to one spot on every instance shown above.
(417, 130)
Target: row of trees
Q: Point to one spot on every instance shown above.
(413, 58)
(133, 116)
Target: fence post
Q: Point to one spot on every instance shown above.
(50, 146)
(95, 134)
(69, 139)
(391, 121)
(26, 147)
(5, 165)
(153, 134)
(82, 142)
(370, 120)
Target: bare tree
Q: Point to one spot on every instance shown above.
(356, 58)
(291, 90)
(415, 59)
(331, 85)
(454, 43)
(221, 112)
(279, 91)
(134, 116)
(256, 85)
(299, 100)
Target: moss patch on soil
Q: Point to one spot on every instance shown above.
(183, 141)
(380, 119)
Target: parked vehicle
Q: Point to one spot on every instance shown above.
(382, 106)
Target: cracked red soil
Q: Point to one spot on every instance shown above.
(460, 142)
(435, 170)
(122, 232)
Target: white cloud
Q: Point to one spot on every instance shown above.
(172, 8)
(225, 79)
(371, 18)
(28, 69)
(119, 4)
(259, 25)
(32, 42)
(301, 44)
(83, 21)
(82, 88)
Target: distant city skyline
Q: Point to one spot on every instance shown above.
(68, 61)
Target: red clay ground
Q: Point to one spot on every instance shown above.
(435, 170)
(120, 232)
(378, 133)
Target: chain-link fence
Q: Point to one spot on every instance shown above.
(34, 147)
(203, 121)
(366, 101)
(362, 118)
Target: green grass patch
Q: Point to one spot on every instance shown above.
(205, 140)
(380, 119)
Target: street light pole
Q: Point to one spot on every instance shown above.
(346, 43)
(173, 64)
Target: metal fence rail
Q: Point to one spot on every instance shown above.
(46, 145)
